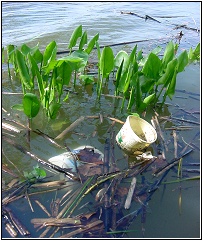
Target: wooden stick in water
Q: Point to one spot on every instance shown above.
(130, 193)
(70, 128)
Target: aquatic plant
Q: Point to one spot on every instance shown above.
(139, 79)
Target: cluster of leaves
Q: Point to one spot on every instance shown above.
(37, 172)
(140, 79)
(51, 74)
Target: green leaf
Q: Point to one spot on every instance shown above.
(127, 81)
(182, 61)
(87, 79)
(11, 54)
(135, 114)
(106, 61)
(40, 84)
(2, 54)
(167, 77)
(146, 102)
(31, 105)
(171, 88)
(83, 41)
(50, 53)
(169, 54)
(121, 55)
(18, 107)
(25, 49)
(146, 83)
(131, 99)
(122, 81)
(53, 109)
(70, 58)
(152, 66)
(197, 51)
(98, 49)
(75, 35)
(79, 66)
(65, 71)
(38, 56)
(92, 43)
(138, 91)
(133, 54)
(118, 77)
(139, 55)
(23, 70)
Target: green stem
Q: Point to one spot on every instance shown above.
(75, 79)
(123, 102)
(100, 87)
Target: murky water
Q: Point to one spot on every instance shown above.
(26, 20)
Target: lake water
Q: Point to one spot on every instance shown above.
(23, 21)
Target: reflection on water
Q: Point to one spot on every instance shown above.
(23, 20)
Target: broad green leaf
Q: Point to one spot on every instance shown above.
(146, 83)
(31, 105)
(83, 41)
(18, 107)
(106, 61)
(75, 35)
(79, 66)
(182, 61)
(50, 53)
(121, 55)
(23, 69)
(38, 56)
(87, 79)
(171, 88)
(80, 54)
(169, 54)
(65, 71)
(53, 109)
(157, 50)
(92, 43)
(152, 66)
(146, 102)
(167, 77)
(25, 49)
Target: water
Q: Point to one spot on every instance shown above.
(22, 21)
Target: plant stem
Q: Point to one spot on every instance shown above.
(100, 87)
(75, 79)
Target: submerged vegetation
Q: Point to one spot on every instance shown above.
(139, 79)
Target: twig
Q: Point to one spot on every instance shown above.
(28, 199)
(175, 143)
(130, 193)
